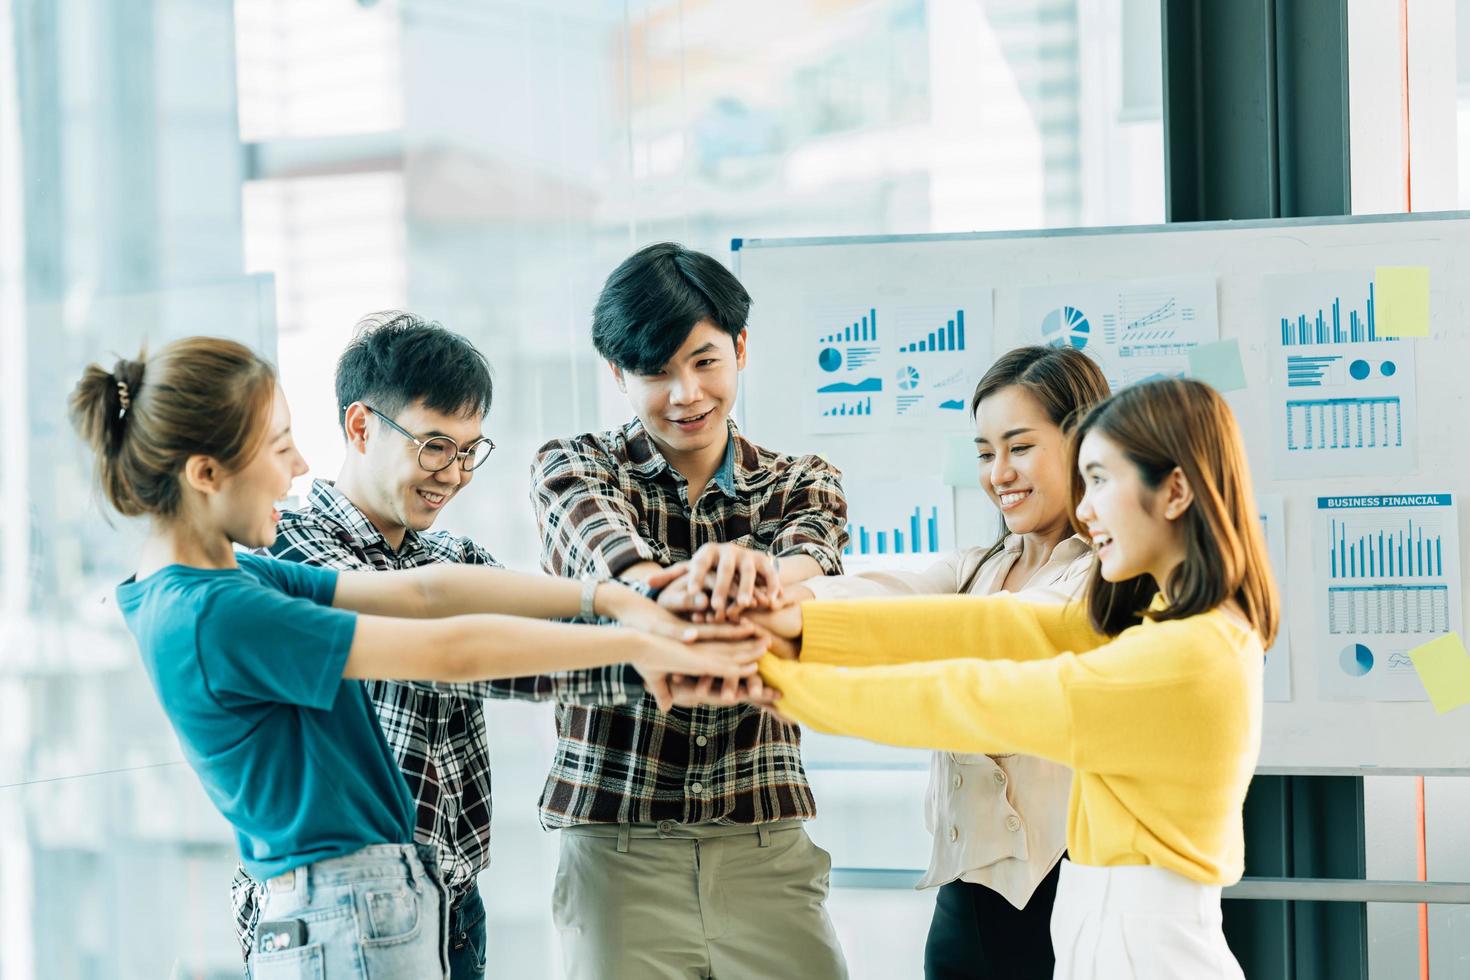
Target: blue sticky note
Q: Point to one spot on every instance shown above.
(961, 468)
(1218, 365)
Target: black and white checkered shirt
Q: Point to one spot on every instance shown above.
(607, 501)
(437, 731)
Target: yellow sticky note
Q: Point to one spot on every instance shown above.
(961, 468)
(1444, 670)
(1401, 301)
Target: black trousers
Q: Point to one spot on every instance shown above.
(978, 935)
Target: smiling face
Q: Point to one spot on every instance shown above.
(1023, 462)
(1134, 529)
(684, 404)
(389, 485)
(244, 507)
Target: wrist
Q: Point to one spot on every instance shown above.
(612, 600)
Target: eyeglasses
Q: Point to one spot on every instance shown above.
(439, 452)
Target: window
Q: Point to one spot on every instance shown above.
(276, 170)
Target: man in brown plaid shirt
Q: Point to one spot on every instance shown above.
(682, 850)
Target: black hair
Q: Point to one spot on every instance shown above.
(396, 359)
(652, 301)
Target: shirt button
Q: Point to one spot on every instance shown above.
(697, 788)
(701, 741)
(1000, 777)
(958, 781)
(1013, 823)
(954, 834)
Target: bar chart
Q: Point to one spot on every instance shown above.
(1385, 552)
(950, 337)
(1387, 573)
(1326, 326)
(863, 406)
(920, 536)
(864, 330)
(915, 369)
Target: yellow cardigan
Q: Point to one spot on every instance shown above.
(1161, 725)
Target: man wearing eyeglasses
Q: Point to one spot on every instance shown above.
(412, 400)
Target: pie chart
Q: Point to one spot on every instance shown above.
(1066, 326)
(1355, 659)
(908, 378)
(830, 359)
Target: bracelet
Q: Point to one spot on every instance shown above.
(590, 583)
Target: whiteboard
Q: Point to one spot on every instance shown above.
(1308, 734)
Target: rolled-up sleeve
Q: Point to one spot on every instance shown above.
(585, 518)
(813, 512)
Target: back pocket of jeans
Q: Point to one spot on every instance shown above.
(391, 914)
(302, 963)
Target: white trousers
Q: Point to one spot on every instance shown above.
(1138, 923)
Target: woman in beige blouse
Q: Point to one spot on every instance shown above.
(999, 823)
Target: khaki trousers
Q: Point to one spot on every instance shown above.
(690, 902)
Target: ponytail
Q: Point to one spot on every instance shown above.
(201, 396)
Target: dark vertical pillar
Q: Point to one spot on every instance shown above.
(1256, 126)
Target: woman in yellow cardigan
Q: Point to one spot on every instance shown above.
(1150, 690)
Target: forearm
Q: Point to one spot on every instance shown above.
(641, 571)
(610, 685)
(938, 579)
(901, 630)
(481, 647)
(795, 569)
(458, 590)
(439, 591)
(956, 706)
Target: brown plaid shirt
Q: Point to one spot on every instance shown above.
(606, 501)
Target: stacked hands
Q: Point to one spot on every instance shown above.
(716, 615)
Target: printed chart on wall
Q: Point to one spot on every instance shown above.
(1277, 680)
(900, 522)
(1135, 329)
(895, 362)
(1388, 579)
(1343, 398)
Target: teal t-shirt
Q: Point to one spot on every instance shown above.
(248, 664)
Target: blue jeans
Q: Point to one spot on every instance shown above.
(467, 936)
(377, 913)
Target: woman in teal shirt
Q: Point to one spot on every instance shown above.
(256, 661)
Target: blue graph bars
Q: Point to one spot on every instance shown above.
(922, 537)
(1303, 371)
(1380, 554)
(861, 407)
(1318, 330)
(864, 330)
(952, 337)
